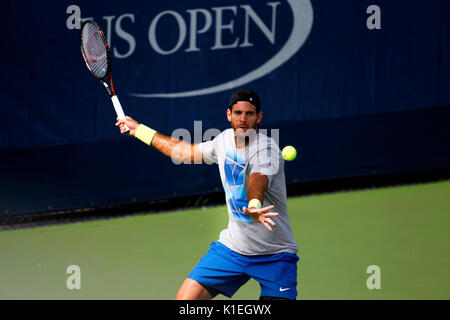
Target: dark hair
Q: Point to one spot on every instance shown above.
(245, 95)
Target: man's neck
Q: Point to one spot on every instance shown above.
(244, 141)
(241, 144)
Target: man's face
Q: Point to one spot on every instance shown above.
(243, 117)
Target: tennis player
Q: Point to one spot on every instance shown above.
(258, 242)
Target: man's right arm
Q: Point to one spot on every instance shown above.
(178, 150)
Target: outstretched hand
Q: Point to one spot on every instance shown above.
(262, 215)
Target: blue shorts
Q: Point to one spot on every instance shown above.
(226, 271)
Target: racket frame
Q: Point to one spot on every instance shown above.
(110, 89)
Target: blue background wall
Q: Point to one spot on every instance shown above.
(353, 101)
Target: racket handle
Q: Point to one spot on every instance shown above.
(119, 111)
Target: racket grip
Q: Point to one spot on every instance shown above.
(119, 110)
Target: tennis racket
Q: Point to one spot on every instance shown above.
(96, 54)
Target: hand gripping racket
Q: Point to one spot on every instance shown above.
(96, 54)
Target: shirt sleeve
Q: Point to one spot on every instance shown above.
(266, 161)
(208, 149)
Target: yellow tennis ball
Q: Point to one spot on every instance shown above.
(289, 153)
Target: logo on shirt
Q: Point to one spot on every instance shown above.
(234, 185)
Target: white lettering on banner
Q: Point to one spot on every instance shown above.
(193, 27)
(121, 33)
(220, 27)
(302, 24)
(125, 36)
(181, 35)
(250, 13)
(224, 37)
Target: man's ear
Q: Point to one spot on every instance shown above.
(260, 115)
(229, 114)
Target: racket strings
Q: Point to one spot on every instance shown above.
(94, 47)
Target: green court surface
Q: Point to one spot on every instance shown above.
(403, 230)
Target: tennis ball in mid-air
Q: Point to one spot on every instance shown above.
(289, 153)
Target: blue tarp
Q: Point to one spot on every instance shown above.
(353, 100)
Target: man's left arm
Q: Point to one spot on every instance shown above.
(257, 186)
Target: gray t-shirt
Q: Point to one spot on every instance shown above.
(236, 165)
